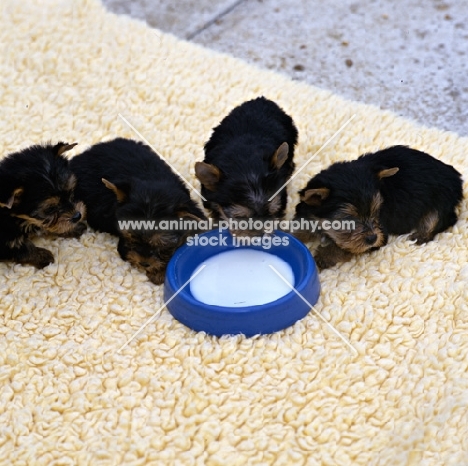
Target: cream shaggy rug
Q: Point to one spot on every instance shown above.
(173, 396)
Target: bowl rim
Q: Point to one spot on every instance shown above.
(299, 285)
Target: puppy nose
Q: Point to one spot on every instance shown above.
(76, 217)
(371, 239)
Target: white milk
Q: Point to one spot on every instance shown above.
(240, 278)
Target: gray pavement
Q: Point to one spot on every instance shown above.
(408, 56)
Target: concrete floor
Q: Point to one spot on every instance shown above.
(408, 56)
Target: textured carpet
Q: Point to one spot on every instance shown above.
(173, 396)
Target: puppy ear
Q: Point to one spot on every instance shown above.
(8, 204)
(314, 197)
(62, 147)
(387, 172)
(280, 156)
(121, 191)
(208, 175)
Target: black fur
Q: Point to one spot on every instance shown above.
(147, 190)
(421, 197)
(239, 173)
(37, 197)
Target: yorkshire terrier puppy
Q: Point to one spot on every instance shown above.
(124, 180)
(248, 159)
(37, 197)
(394, 191)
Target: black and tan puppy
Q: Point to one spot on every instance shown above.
(248, 158)
(37, 197)
(124, 180)
(394, 191)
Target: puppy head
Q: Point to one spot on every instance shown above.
(37, 186)
(142, 206)
(346, 203)
(150, 251)
(246, 187)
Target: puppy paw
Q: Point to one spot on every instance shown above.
(157, 277)
(323, 260)
(420, 239)
(330, 255)
(40, 258)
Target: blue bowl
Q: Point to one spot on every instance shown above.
(250, 320)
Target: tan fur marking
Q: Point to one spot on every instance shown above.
(53, 201)
(119, 194)
(126, 234)
(430, 221)
(280, 156)
(55, 225)
(274, 205)
(314, 197)
(71, 183)
(65, 148)
(208, 175)
(221, 212)
(238, 211)
(156, 269)
(354, 240)
(189, 215)
(376, 204)
(349, 210)
(136, 260)
(30, 220)
(13, 199)
(165, 243)
(387, 172)
(426, 227)
(63, 226)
